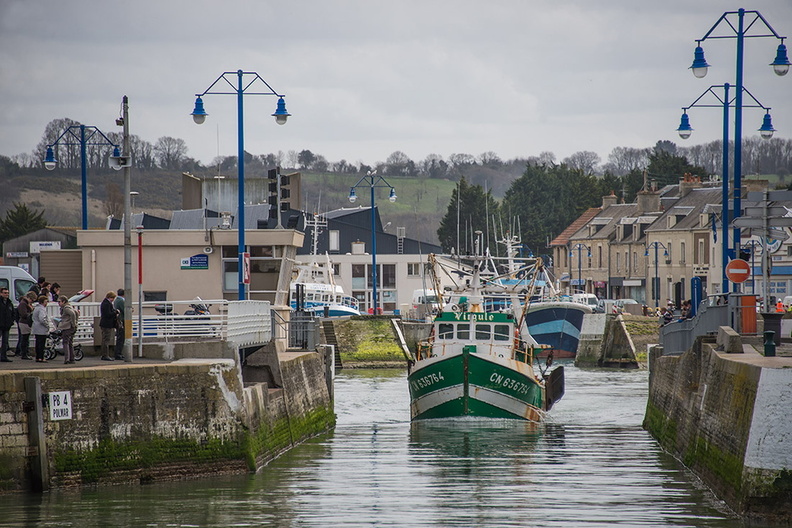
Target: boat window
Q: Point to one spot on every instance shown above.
(501, 332)
(463, 331)
(445, 331)
(483, 331)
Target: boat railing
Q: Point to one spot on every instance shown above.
(522, 351)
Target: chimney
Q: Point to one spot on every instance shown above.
(648, 201)
(687, 183)
(609, 200)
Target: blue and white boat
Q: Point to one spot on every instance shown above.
(321, 294)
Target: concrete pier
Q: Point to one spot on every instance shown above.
(725, 411)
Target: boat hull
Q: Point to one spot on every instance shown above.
(557, 324)
(470, 384)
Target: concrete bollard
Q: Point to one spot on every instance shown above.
(769, 344)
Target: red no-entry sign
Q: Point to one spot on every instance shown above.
(738, 270)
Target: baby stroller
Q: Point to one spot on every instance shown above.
(54, 342)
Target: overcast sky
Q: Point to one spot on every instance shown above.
(366, 78)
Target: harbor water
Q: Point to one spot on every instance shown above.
(590, 465)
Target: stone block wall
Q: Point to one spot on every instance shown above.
(139, 423)
(729, 421)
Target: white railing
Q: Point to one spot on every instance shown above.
(244, 323)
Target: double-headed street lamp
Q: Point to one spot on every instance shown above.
(739, 30)
(83, 136)
(765, 131)
(372, 180)
(580, 247)
(656, 283)
(244, 82)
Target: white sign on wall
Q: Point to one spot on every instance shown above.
(38, 247)
(60, 405)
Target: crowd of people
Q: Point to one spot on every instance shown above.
(31, 318)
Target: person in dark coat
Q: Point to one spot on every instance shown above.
(108, 319)
(6, 322)
(25, 311)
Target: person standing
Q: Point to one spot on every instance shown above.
(119, 304)
(6, 322)
(36, 288)
(41, 327)
(55, 291)
(68, 327)
(108, 318)
(25, 311)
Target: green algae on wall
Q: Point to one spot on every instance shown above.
(367, 339)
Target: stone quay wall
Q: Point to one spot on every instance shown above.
(142, 422)
(727, 417)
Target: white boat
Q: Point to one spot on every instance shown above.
(313, 288)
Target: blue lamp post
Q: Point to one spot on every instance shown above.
(580, 247)
(83, 136)
(685, 131)
(656, 283)
(373, 181)
(239, 86)
(739, 30)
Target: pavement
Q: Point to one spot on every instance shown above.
(87, 362)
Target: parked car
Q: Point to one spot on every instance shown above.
(620, 304)
(17, 280)
(604, 306)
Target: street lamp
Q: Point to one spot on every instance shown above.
(580, 247)
(780, 65)
(656, 283)
(244, 81)
(372, 181)
(685, 131)
(83, 136)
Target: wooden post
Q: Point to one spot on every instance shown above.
(35, 413)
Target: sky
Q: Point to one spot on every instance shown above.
(365, 78)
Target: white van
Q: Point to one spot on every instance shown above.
(589, 299)
(17, 280)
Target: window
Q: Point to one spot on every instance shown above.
(387, 275)
(682, 253)
(336, 269)
(669, 247)
(599, 256)
(463, 331)
(483, 331)
(359, 276)
(334, 243)
(702, 257)
(413, 269)
(501, 332)
(618, 261)
(445, 331)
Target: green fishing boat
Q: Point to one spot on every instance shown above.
(478, 363)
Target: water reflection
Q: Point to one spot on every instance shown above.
(590, 465)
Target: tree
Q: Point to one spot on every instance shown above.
(114, 203)
(68, 156)
(473, 205)
(305, 158)
(398, 164)
(622, 160)
(584, 161)
(19, 221)
(170, 152)
(548, 199)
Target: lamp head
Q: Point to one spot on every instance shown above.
(49, 159)
(684, 129)
(392, 196)
(781, 63)
(646, 253)
(766, 130)
(281, 114)
(352, 195)
(699, 66)
(199, 114)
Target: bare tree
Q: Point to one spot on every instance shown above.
(585, 161)
(68, 156)
(398, 164)
(547, 158)
(489, 158)
(170, 152)
(623, 160)
(114, 203)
